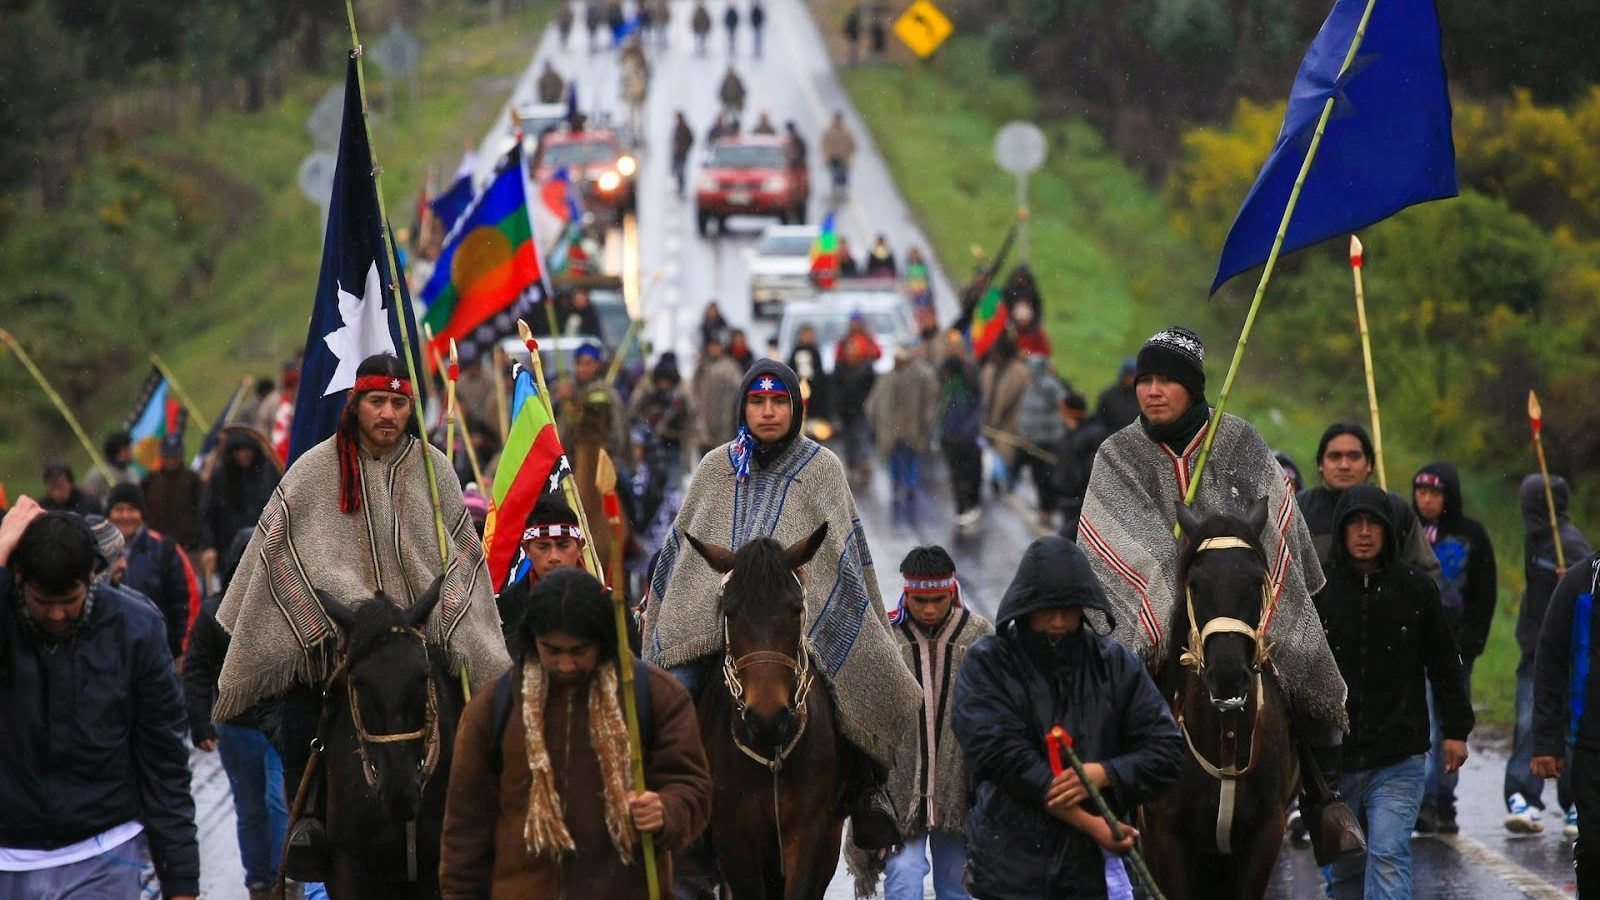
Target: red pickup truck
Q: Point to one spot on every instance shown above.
(751, 175)
(601, 171)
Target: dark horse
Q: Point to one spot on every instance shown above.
(1218, 833)
(388, 731)
(769, 731)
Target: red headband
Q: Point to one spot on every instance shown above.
(383, 383)
(936, 584)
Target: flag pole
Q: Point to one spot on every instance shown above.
(1366, 359)
(451, 410)
(1272, 263)
(183, 395)
(569, 490)
(1536, 419)
(61, 405)
(501, 407)
(394, 292)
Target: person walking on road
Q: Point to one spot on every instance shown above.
(1468, 585)
(555, 721)
(61, 493)
(731, 92)
(716, 379)
(1118, 406)
(730, 21)
(118, 449)
(1524, 791)
(852, 34)
(1041, 429)
(1004, 380)
(551, 540)
(241, 484)
(1345, 458)
(878, 33)
(880, 259)
(764, 125)
(903, 409)
(682, 144)
(758, 22)
(838, 150)
(592, 19)
(853, 380)
(1566, 726)
(700, 23)
(564, 21)
(1032, 833)
(1391, 639)
(96, 771)
(934, 631)
(1081, 438)
(806, 361)
(795, 149)
(157, 567)
(552, 88)
(172, 496)
(960, 427)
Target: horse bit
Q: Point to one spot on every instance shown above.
(1194, 657)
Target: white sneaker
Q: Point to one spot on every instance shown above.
(1570, 830)
(970, 517)
(1522, 818)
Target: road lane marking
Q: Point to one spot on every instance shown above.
(1523, 879)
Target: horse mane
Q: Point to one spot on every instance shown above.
(759, 570)
(374, 620)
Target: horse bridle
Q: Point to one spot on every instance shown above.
(429, 731)
(800, 665)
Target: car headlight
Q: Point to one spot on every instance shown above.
(609, 182)
(773, 184)
(706, 183)
(627, 165)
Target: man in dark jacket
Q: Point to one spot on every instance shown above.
(1566, 674)
(172, 497)
(1524, 791)
(682, 143)
(1391, 638)
(239, 489)
(61, 493)
(1345, 458)
(1119, 403)
(1075, 459)
(157, 567)
(1031, 834)
(1467, 588)
(96, 771)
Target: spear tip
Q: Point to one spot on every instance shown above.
(454, 357)
(1355, 250)
(1534, 411)
(524, 331)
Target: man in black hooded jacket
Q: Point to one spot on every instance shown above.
(1389, 634)
(1346, 458)
(1467, 588)
(1031, 834)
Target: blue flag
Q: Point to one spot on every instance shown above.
(352, 317)
(455, 199)
(1387, 145)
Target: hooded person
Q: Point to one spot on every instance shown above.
(1140, 473)
(239, 489)
(1032, 833)
(772, 481)
(351, 518)
(551, 539)
(1346, 458)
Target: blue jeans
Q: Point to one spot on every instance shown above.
(905, 467)
(1519, 768)
(114, 873)
(255, 773)
(1441, 793)
(905, 871)
(1386, 801)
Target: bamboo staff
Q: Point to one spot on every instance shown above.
(1059, 740)
(591, 559)
(502, 408)
(183, 396)
(452, 373)
(61, 405)
(458, 417)
(1366, 359)
(394, 293)
(1272, 263)
(1536, 420)
(606, 480)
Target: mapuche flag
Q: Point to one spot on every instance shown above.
(1386, 146)
(825, 256)
(988, 320)
(157, 416)
(489, 259)
(531, 464)
(352, 317)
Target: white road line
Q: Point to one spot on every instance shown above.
(1523, 879)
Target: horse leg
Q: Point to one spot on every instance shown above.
(811, 855)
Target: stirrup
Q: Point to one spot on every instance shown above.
(1335, 833)
(307, 856)
(873, 825)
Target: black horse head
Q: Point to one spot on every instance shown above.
(764, 605)
(390, 692)
(1222, 575)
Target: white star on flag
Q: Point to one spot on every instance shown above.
(365, 332)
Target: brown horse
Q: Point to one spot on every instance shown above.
(770, 732)
(388, 732)
(1218, 833)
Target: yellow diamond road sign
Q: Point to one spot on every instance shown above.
(923, 28)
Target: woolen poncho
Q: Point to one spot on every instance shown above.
(280, 634)
(1126, 528)
(786, 500)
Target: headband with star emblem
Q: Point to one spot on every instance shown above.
(768, 386)
(383, 383)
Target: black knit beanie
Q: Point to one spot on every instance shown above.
(125, 493)
(1178, 354)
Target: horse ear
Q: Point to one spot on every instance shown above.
(1187, 523)
(800, 552)
(1256, 518)
(419, 611)
(720, 559)
(342, 618)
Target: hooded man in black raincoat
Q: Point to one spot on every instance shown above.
(1031, 834)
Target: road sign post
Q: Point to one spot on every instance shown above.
(1020, 148)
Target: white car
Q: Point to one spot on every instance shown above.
(780, 269)
(886, 313)
(536, 119)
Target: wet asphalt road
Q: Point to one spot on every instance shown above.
(795, 80)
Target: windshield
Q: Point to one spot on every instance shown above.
(785, 245)
(578, 153)
(745, 156)
(831, 327)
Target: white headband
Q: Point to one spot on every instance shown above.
(552, 531)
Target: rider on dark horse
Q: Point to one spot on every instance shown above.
(773, 481)
(352, 517)
(1139, 475)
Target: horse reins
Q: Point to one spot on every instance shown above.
(1193, 657)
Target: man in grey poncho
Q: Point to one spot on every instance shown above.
(1140, 473)
(351, 518)
(772, 481)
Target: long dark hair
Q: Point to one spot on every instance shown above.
(347, 438)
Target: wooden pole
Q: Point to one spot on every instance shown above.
(60, 405)
(502, 406)
(183, 396)
(394, 292)
(1536, 420)
(1266, 272)
(450, 410)
(1366, 359)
